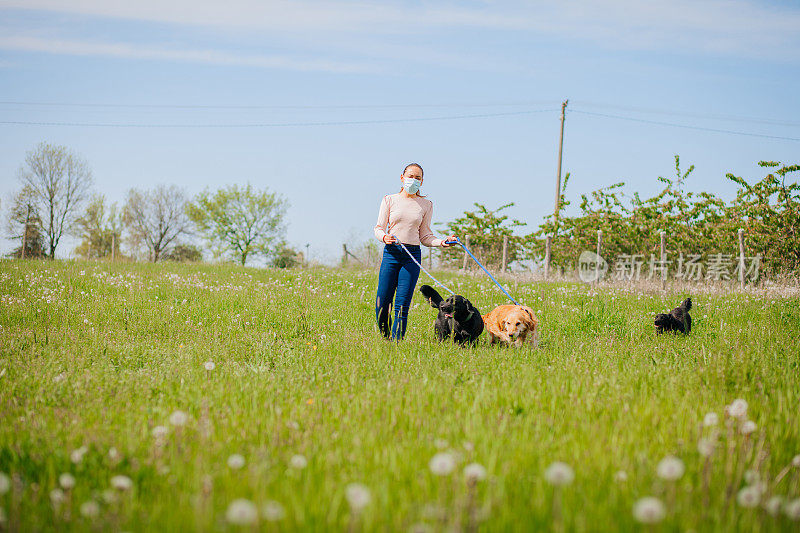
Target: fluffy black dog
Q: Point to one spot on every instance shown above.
(677, 320)
(457, 317)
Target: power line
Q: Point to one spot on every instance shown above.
(271, 125)
(252, 107)
(686, 126)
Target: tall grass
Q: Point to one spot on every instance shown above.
(95, 356)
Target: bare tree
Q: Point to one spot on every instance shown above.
(58, 182)
(156, 217)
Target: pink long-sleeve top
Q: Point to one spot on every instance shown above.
(408, 219)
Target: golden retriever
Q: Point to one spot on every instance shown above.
(512, 325)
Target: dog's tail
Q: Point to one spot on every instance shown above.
(687, 304)
(433, 297)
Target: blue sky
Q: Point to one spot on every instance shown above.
(211, 66)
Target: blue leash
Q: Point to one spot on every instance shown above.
(484, 269)
(422, 267)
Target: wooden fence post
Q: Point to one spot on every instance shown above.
(505, 253)
(741, 258)
(464, 263)
(599, 248)
(547, 243)
(663, 259)
(344, 254)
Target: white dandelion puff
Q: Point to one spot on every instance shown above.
(620, 476)
(358, 496)
(236, 461)
(796, 461)
(57, 497)
(113, 454)
(5, 483)
(90, 509)
(241, 512)
(66, 480)
(711, 419)
(209, 365)
(474, 472)
(749, 497)
(705, 446)
(670, 468)
(792, 509)
(298, 462)
(751, 477)
(649, 510)
(159, 432)
(773, 505)
(442, 464)
(273, 511)
(77, 454)
(738, 408)
(121, 483)
(559, 474)
(178, 418)
(747, 427)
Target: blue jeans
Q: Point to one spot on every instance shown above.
(398, 274)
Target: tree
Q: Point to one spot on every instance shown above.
(25, 225)
(99, 228)
(156, 217)
(486, 229)
(286, 257)
(240, 221)
(184, 253)
(58, 181)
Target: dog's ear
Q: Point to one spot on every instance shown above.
(533, 322)
(430, 294)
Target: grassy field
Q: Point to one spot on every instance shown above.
(103, 377)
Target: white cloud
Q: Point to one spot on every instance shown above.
(87, 48)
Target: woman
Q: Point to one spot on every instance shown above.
(405, 216)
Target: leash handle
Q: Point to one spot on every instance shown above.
(420, 265)
(487, 272)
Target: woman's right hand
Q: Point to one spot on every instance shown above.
(388, 239)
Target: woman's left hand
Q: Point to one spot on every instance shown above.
(449, 238)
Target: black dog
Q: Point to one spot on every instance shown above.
(457, 317)
(677, 320)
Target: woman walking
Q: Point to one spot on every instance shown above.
(405, 216)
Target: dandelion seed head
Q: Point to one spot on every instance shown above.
(298, 462)
(773, 505)
(77, 455)
(442, 464)
(236, 461)
(705, 446)
(620, 476)
(796, 461)
(90, 509)
(792, 509)
(474, 472)
(209, 365)
(358, 496)
(559, 474)
(57, 496)
(738, 408)
(66, 480)
(241, 512)
(273, 511)
(751, 477)
(178, 418)
(649, 510)
(670, 468)
(121, 483)
(711, 419)
(749, 497)
(159, 432)
(748, 426)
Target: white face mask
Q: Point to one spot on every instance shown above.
(411, 185)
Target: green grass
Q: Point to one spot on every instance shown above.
(97, 355)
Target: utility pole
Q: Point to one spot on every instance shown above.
(560, 149)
